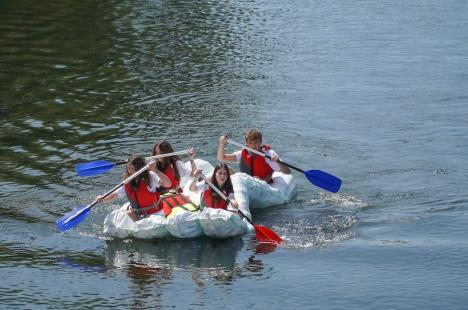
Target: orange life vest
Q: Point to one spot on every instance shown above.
(256, 165)
(169, 172)
(172, 200)
(208, 200)
(142, 199)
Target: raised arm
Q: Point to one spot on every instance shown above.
(222, 156)
(193, 185)
(191, 154)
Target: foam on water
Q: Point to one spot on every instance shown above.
(302, 234)
(339, 199)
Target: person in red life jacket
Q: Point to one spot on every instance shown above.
(255, 165)
(222, 180)
(172, 166)
(142, 191)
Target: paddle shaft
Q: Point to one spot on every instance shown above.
(264, 155)
(88, 207)
(125, 181)
(157, 156)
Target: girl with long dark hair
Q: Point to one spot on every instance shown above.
(172, 166)
(220, 178)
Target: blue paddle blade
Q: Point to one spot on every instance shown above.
(94, 168)
(323, 180)
(73, 218)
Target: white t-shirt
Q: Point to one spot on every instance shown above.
(185, 169)
(274, 165)
(154, 185)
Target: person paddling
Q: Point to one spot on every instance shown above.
(172, 166)
(222, 180)
(142, 191)
(253, 164)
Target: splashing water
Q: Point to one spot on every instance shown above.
(333, 230)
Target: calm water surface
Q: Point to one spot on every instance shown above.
(375, 93)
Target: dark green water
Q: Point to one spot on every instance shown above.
(375, 93)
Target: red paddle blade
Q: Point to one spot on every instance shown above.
(265, 234)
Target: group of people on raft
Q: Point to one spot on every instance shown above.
(157, 189)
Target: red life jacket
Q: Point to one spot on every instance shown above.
(169, 172)
(208, 200)
(142, 199)
(173, 200)
(256, 165)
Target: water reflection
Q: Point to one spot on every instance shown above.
(208, 260)
(156, 269)
(201, 252)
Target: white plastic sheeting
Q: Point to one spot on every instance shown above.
(119, 224)
(219, 223)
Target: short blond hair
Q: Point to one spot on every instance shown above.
(253, 134)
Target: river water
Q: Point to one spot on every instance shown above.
(373, 92)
